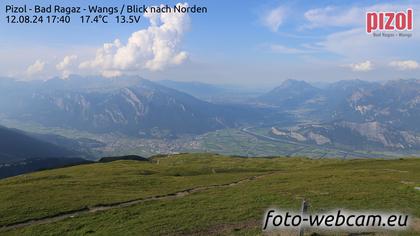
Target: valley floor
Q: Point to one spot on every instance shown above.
(245, 141)
(201, 194)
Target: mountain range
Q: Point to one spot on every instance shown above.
(351, 114)
(394, 102)
(355, 113)
(131, 106)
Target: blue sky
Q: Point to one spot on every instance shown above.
(236, 42)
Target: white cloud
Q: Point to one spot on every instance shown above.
(405, 65)
(36, 68)
(333, 16)
(346, 16)
(153, 48)
(353, 43)
(278, 48)
(66, 64)
(362, 66)
(273, 18)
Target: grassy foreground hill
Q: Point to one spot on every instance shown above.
(200, 194)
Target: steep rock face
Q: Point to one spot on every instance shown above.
(352, 134)
(378, 133)
(360, 114)
(395, 103)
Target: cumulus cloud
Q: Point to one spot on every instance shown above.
(66, 62)
(405, 65)
(36, 68)
(66, 65)
(273, 18)
(153, 48)
(362, 66)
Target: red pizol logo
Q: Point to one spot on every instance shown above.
(389, 21)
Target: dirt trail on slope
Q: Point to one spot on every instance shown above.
(98, 208)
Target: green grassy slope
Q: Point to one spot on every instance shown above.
(228, 209)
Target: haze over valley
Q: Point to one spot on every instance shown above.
(89, 117)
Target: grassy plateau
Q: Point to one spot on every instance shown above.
(202, 194)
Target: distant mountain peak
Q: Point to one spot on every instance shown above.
(290, 94)
(292, 83)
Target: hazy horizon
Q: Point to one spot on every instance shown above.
(255, 85)
(277, 40)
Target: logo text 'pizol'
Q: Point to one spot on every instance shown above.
(389, 21)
